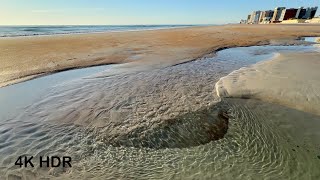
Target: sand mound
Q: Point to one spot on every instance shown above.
(292, 80)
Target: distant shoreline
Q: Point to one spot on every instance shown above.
(90, 29)
(24, 58)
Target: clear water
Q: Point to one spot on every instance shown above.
(22, 94)
(12, 31)
(160, 124)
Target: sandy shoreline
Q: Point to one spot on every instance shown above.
(23, 58)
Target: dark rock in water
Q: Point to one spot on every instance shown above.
(318, 157)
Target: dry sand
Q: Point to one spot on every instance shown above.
(291, 79)
(23, 58)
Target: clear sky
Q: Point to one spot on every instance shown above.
(119, 12)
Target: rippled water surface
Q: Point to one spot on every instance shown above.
(23, 94)
(163, 124)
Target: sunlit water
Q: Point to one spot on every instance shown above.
(163, 124)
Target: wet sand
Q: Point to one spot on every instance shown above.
(24, 58)
(289, 79)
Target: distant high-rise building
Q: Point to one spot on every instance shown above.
(300, 13)
(288, 14)
(269, 13)
(310, 12)
(265, 16)
(252, 16)
(277, 14)
(249, 19)
(313, 12)
(306, 13)
(255, 16)
(262, 15)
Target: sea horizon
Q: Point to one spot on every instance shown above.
(38, 30)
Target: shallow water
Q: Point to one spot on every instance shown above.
(259, 145)
(22, 94)
(311, 39)
(161, 123)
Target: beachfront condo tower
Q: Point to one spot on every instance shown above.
(277, 14)
(266, 16)
(310, 12)
(306, 13)
(255, 16)
(288, 14)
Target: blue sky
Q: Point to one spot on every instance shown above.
(119, 12)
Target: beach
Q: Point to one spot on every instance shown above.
(215, 102)
(24, 58)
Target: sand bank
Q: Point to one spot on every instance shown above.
(28, 57)
(291, 79)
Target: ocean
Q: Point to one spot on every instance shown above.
(14, 31)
